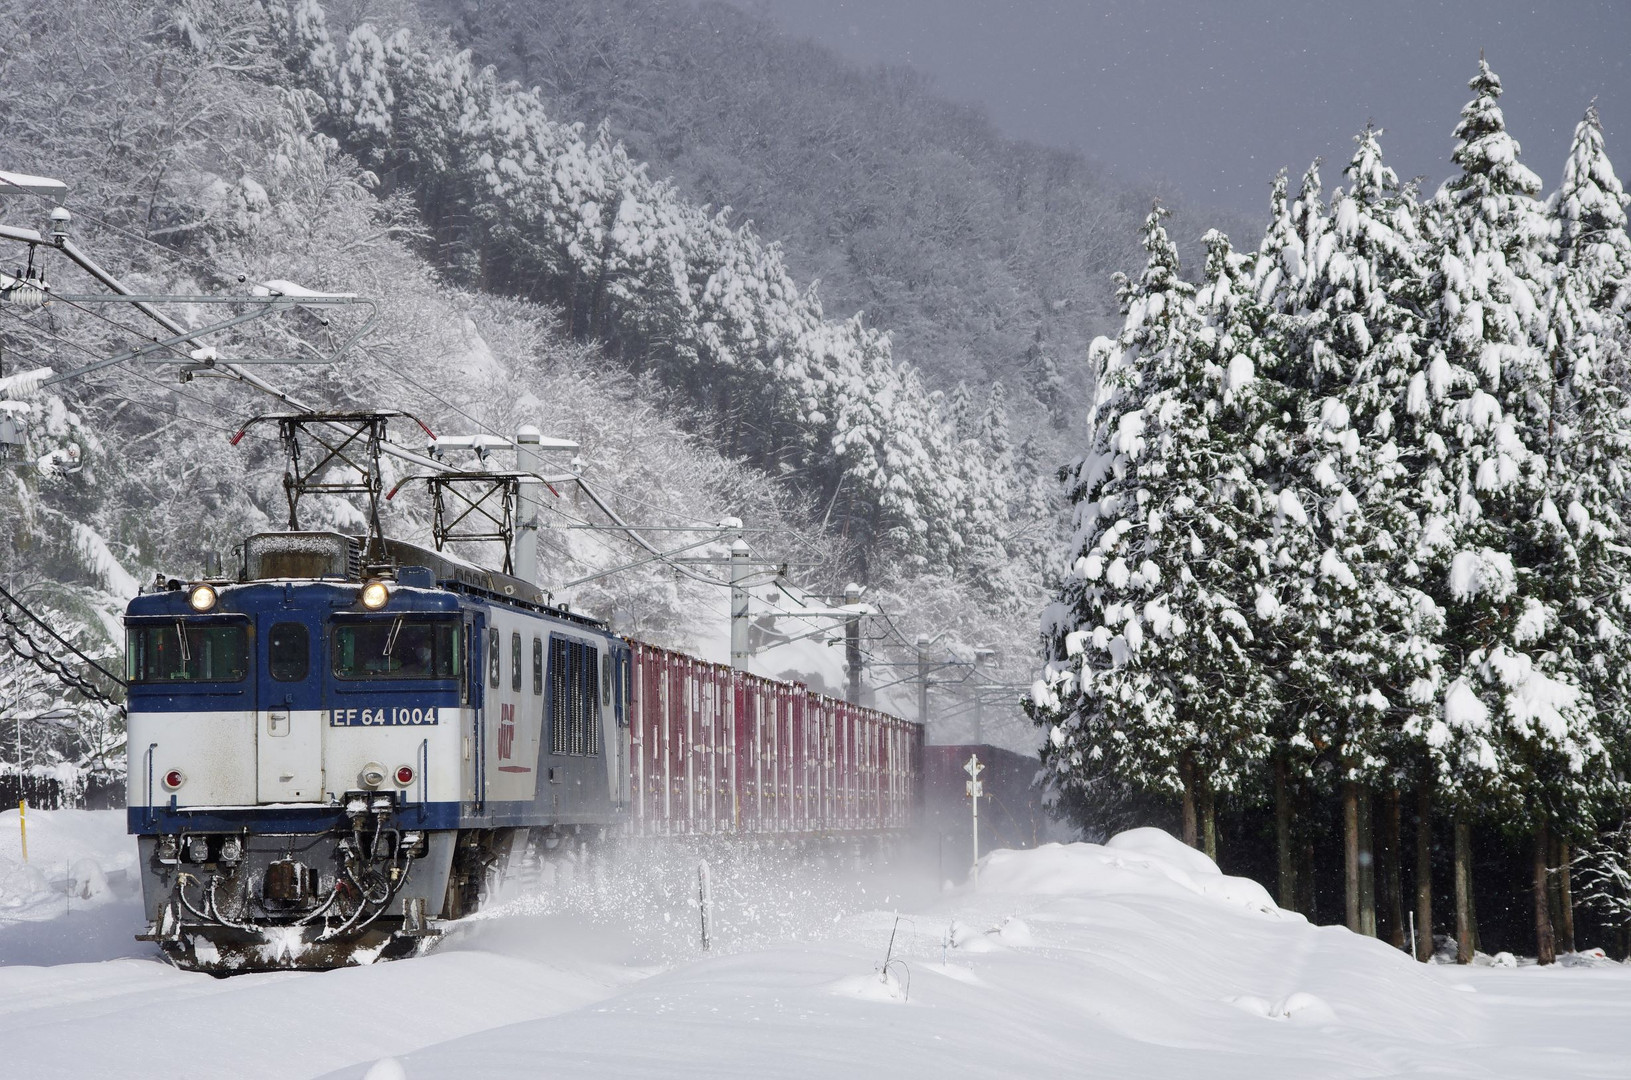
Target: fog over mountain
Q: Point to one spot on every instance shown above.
(1215, 98)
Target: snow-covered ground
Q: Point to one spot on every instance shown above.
(1135, 959)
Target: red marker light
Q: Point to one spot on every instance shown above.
(404, 775)
(173, 779)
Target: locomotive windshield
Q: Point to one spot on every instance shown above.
(187, 650)
(396, 647)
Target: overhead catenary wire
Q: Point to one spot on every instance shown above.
(78, 684)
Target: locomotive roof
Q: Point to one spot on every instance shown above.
(445, 572)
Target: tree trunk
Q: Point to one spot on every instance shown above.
(1367, 864)
(1306, 902)
(1391, 912)
(1463, 890)
(1545, 940)
(1350, 854)
(1554, 891)
(1565, 897)
(1282, 834)
(1186, 770)
(1472, 900)
(1209, 819)
(1424, 873)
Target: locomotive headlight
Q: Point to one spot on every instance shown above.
(201, 598)
(374, 595)
(373, 774)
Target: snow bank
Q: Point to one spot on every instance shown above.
(1139, 861)
(1135, 958)
(75, 857)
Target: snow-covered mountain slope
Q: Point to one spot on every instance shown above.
(219, 174)
(1132, 959)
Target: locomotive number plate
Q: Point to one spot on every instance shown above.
(390, 716)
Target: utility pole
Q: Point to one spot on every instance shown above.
(528, 459)
(923, 680)
(852, 643)
(739, 604)
(979, 700)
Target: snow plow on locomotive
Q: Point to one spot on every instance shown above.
(328, 755)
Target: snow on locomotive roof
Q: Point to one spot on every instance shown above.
(335, 556)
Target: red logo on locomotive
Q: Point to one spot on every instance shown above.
(506, 730)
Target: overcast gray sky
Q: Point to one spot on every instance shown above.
(1214, 97)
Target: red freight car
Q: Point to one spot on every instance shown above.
(714, 750)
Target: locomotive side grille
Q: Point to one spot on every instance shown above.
(588, 699)
(574, 698)
(559, 739)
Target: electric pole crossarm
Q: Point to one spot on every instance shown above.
(659, 555)
(162, 344)
(271, 299)
(16, 183)
(637, 538)
(91, 267)
(669, 528)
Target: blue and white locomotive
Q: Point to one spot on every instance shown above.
(329, 753)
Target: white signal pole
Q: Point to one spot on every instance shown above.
(975, 789)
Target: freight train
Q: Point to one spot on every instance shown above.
(332, 753)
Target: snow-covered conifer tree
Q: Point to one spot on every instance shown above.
(1151, 645)
(1046, 378)
(1513, 709)
(1365, 667)
(1588, 445)
(994, 436)
(960, 418)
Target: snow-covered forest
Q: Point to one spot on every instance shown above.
(1350, 543)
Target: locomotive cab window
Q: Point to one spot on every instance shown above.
(515, 662)
(187, 650)
(288, 652)
(494, 662)
(537, 665)
(396, 648)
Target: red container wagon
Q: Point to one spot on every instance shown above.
(716, 751)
